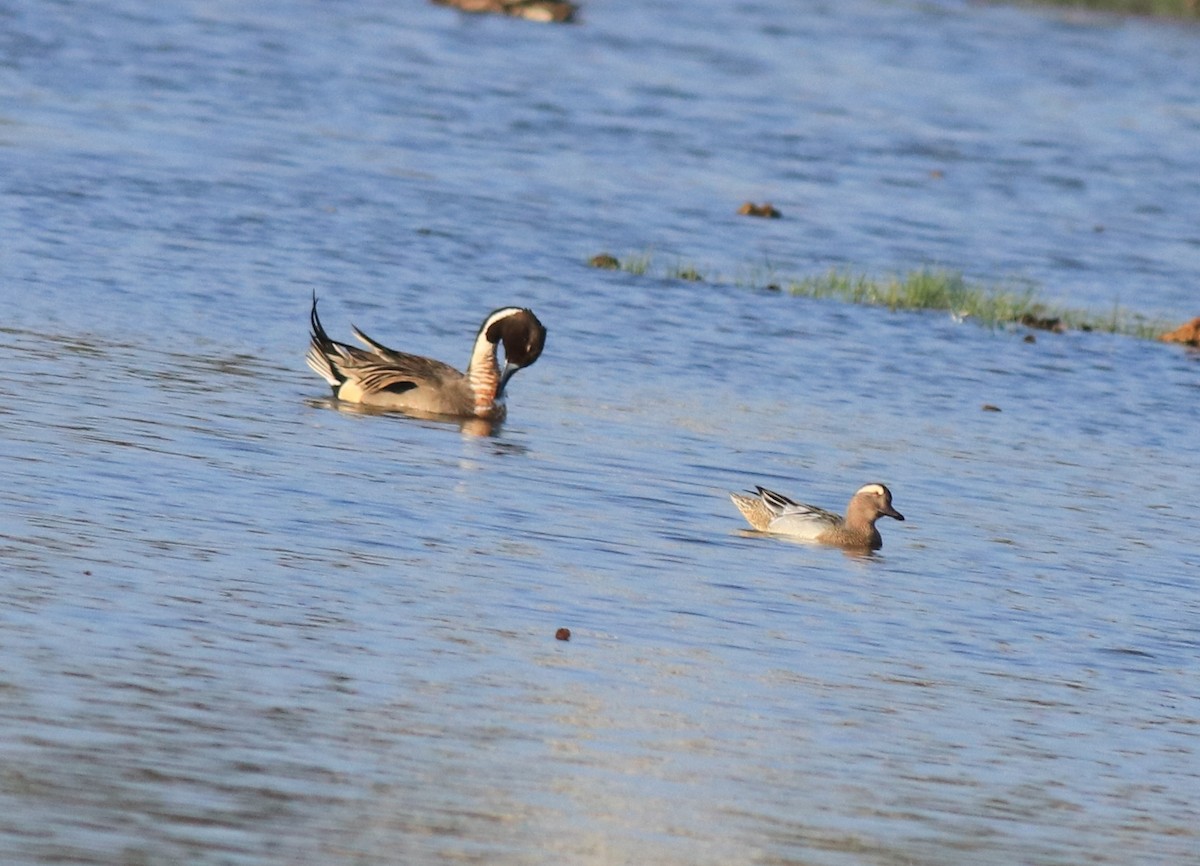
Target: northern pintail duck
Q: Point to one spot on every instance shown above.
(387, 379)
(771, 512)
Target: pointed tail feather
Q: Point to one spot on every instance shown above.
(320, 350)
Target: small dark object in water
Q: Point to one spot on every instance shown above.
(562, 634)
(532, 10)
(1043, 323)
(1030, 338)
(1188, 333)
(988, 407)
(766, 209)
(605, 261)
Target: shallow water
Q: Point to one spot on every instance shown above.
(244, 627)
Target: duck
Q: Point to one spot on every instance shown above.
(768, 511)
(386, 379)
(556, 11)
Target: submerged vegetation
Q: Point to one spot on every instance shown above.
(924, 289)
(1159, 8)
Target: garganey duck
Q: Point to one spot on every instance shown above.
(771, 512)
(384, 378)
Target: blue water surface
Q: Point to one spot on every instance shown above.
(244, 627)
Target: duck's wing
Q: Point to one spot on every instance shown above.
(775, 501)
(780, 504)
(796, 518)
(390, 367)
(383, 352)
(379, 370)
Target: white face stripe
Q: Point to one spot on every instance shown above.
(503, 313)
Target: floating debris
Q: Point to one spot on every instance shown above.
(988, 407)
(605, 261)
(1043, 323)
(562, 634)
(1188, 333)
(766, 209)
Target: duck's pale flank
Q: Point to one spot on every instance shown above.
(768, 511)
(384, 378)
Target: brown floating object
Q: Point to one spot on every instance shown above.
(989, 407)
(604, 260)
(562, 634)
(766, 209)
(558, 11)
(1188, 333)
(1043, 323)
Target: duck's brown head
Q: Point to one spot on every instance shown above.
(873, 501)
(521, 334)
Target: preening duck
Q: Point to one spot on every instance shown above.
(384, 378)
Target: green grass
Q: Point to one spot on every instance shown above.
(924, 289)
(1158, 8)
(929, 289)
(638, 265)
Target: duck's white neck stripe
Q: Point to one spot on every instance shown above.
(483, 373)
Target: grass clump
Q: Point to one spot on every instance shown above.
(928, 289)
(638, 265)
(925, 289)
(1156, 8)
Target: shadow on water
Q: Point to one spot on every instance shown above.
(466, 426)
